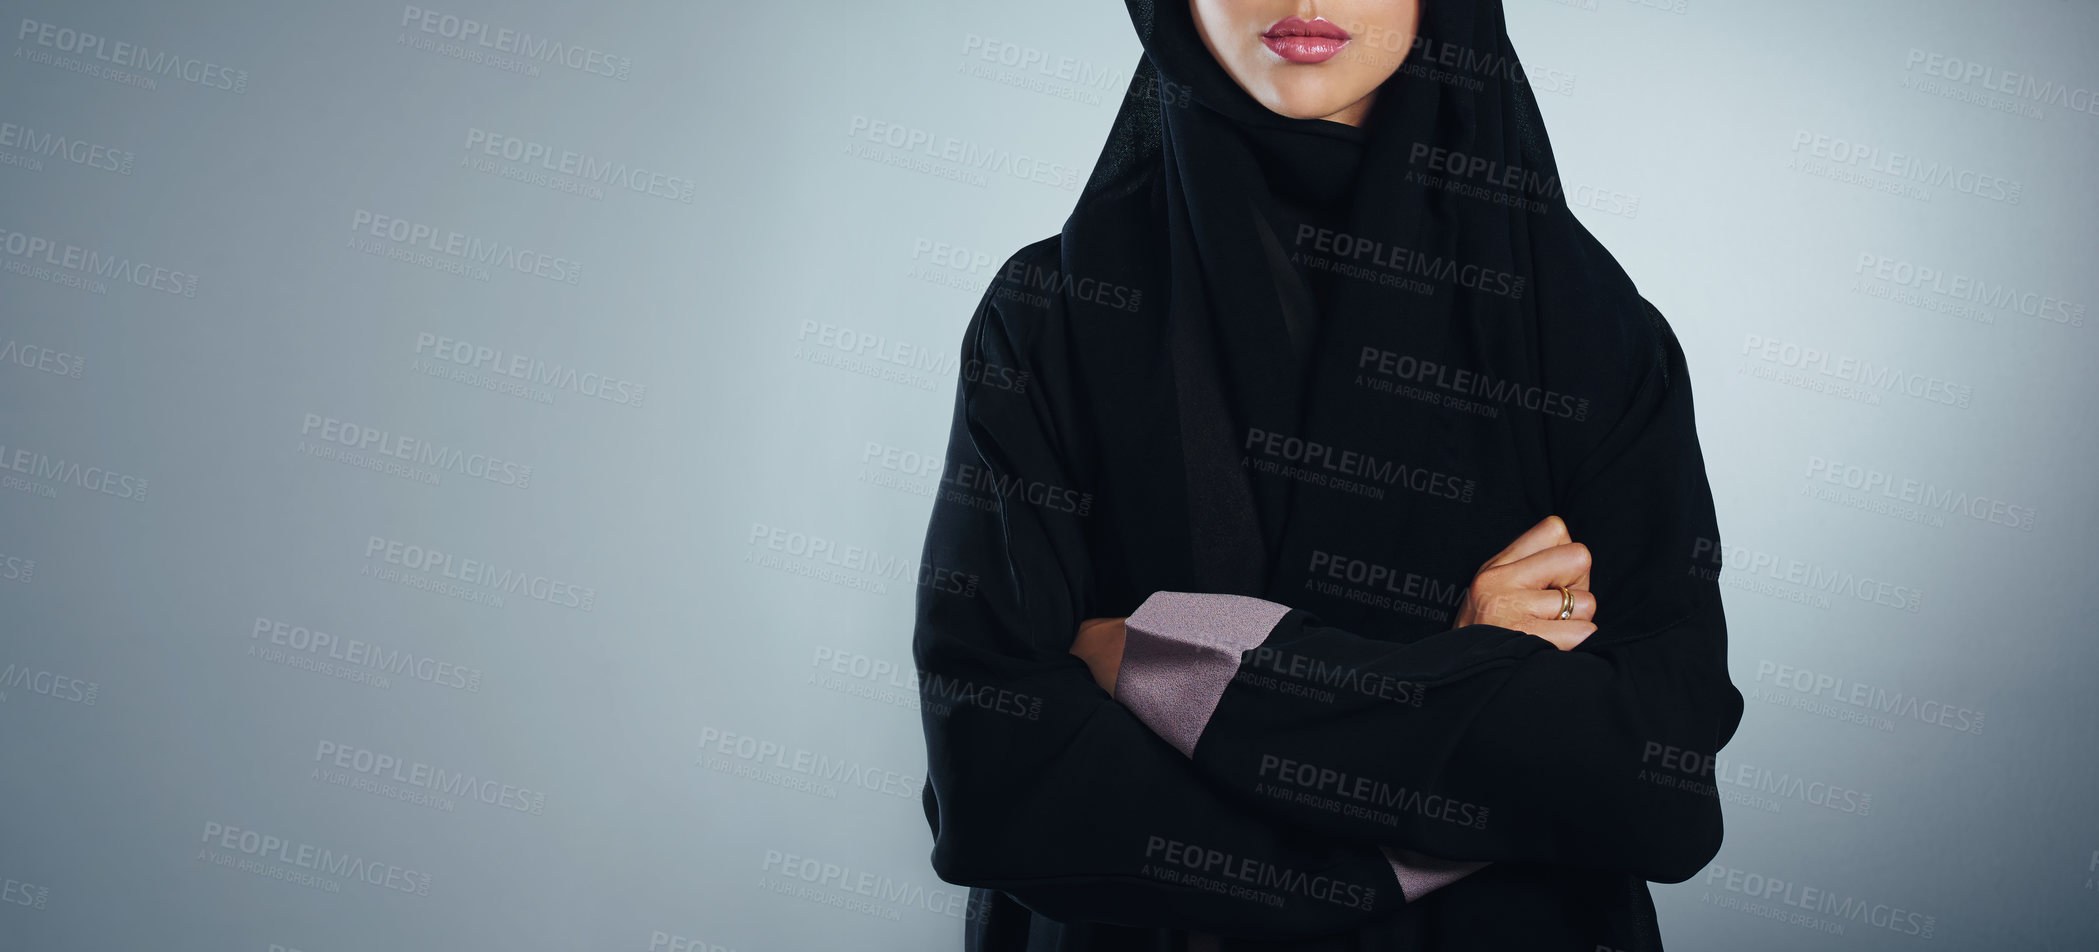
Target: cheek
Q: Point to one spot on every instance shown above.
(1365, 75)
(1386, 39)
(1379, 62)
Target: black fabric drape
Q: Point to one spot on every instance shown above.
(1334, 368)
(1236, 176)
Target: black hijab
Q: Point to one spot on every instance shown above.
(1479, 265)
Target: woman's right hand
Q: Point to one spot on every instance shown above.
(1517, 588)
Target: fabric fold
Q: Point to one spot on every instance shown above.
(1180, 651)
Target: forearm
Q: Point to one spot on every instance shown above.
(1481, 743)
(1067, 803)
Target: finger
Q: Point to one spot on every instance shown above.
(1545, 604)
(1560, 565)
(1550, 531)
(1580, 584)
(1564, 635)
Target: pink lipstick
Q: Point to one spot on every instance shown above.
(1305, 41)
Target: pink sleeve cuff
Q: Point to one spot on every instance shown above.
(1180, 651)
(1420, 874)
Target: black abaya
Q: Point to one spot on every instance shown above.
(1340, 449)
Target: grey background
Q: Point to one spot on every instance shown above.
(140, 710)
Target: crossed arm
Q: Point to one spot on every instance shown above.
(1538, 584)
(1042, 786)
(1519, 588)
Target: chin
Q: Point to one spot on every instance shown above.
(1316, 103)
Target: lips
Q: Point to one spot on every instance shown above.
(1305, 41)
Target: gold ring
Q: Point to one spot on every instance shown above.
(1566, 602)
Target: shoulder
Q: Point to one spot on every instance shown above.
(1651, 346)
(1620, 338)
(1631, 345)
(1616, 358)
(1013, 312)
(1041, 254)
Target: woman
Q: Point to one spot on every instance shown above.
(1245, 658)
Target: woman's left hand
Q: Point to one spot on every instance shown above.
(1099, 644)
